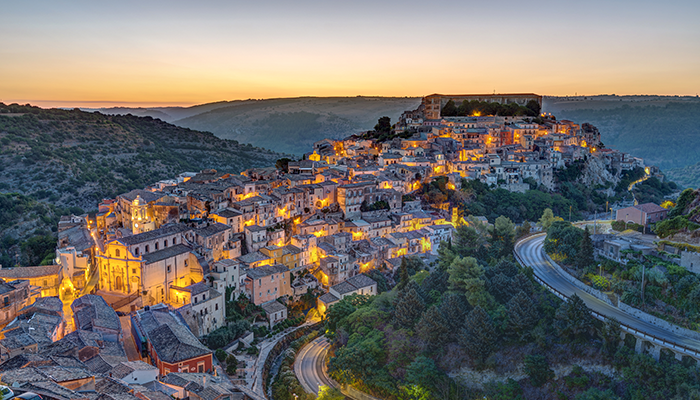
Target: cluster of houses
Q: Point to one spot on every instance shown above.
(172, 254)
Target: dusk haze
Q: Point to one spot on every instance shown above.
(363, 200)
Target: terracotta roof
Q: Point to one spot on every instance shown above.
(29, 272)
(650, 208)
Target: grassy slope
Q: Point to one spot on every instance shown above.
(293, 125)
(75, 158)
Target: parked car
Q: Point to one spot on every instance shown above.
(6, 393)
(29, 396)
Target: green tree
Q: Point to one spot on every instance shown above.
(467, 241)
(449, 110)
(454, 309)
(423, 373)
(533, 106)
(220, 355)
(409, 308)
(337, 312)
(329, 393)
(598, 394)
(574, 319)
(563, 240)
(537, 369)
(383, 125)
(479, 335)
(467, 276)
(523, 230)
(610, 334)
(522, 315)
(282, 164)
(547, 219)
(585, 251)
(432, 328)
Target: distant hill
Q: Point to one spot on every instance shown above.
(663, 130)
(289, 125)
(74, 158)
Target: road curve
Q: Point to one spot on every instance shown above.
(310, 366)
(531, 253)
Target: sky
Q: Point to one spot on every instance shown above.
(148, 53)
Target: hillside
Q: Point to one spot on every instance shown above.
(76, 158)
(288, 125)
(661, 129)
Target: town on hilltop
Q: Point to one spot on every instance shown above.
(138, 288)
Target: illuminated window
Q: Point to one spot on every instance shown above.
(116, 253)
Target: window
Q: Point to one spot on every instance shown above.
(204, 297)
(146, 250)
(165, 243)
(200, 368)
(133, 271)
(116, 253)
(168, 268)
(186, 263)
(174, 241)
(136, 251)
(216, 307)
(7, 300)
(259, 282)
(46, 283)
(156, 245)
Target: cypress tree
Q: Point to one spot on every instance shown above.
(585, 251)
(454, 309)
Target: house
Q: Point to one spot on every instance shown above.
(359, 284)
(204, 308)
(276, 312)
(226, 274)
(47, 277)
(134, 372)
(268, 282)
(171, 345)
(642, 214)
(92, 313)
(14, 295)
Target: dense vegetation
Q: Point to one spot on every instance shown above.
(76, 158)
(477, 312)
(479, 108)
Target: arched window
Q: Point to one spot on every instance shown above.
(156, 245)
(146, 250)
(116, 252)
(165, 243)
(136, 251)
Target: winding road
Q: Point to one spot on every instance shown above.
(310, 366)
(531, 253)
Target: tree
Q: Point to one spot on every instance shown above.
(338, 312)
(454, 309)
(449, 110)
(523, 230)
(574, 319)
(467, 241)
(537, 369)
(329, 393)
(563, 240)
(466, 276)
(432, 328)
(522, 315)
(500, 287)
(383, 125)
(423, 372)
(534, 106)
(283, 164)
(502, 235)
(547, 219)
(479, 335)
(220, 355)
(610, 334)
(409, 308)
(585, 252)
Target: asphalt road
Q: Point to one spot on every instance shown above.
(310, 366)
(531, 253)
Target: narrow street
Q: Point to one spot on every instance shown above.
(132, 352)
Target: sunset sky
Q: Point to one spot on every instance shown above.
(88, 53)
